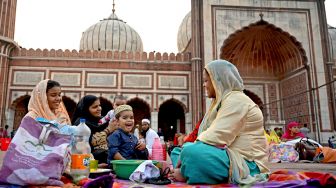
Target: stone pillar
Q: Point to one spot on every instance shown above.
(7, 44)
(9, 116)
(327, 58)
(188, 123)
(6, 47)
(7, 18)
(154, 120)
(197, 104)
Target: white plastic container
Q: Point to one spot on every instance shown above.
(81, 151)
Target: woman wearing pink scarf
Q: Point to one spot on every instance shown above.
(292, 132)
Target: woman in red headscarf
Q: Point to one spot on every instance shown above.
(292, 132)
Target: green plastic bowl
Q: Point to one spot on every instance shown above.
(124, 168)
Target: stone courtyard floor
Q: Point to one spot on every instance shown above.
(297, 167)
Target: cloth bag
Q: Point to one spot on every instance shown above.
(282, 153)
(306, 149)
(37, 155)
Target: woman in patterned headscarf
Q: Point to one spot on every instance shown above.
(46, 102)
(231, 144)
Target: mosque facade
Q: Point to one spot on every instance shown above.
(284, 50)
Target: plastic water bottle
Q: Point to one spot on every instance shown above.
(157, 153)
(164, 148)
(81, 152)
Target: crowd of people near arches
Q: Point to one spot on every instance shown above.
(229, 141)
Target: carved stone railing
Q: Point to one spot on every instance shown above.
(108, 55)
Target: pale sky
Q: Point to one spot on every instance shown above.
(59, 24)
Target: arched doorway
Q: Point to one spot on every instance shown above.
(255, 98)
(262, 51)
(171, 118)
(141, 110)
(70, 105)
(106, 105)
(20, 106)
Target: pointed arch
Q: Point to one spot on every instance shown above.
(141, 109)
(185, 109)
(20, 106)
(263, 50)
(254, 97)
(171, 118)
(18, 100)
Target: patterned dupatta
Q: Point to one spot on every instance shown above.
(38, 105)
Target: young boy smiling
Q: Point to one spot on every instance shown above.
(122, 144)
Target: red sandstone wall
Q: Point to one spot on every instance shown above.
(3, 87)
(7, 18)
(273, 103)
(295, 102)
(107, 55)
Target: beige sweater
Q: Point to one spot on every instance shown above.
(239, 125)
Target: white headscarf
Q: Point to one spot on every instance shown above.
(225, 78)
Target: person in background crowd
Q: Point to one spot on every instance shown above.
(12, 133)
(268, 131)
(305, 130)
(292, 132)
(142, 138)
(149, 134)
(280, 132)
(118, 100)
(276, 130)
(160, 133)
(180, 139)
(176, 139)
(2, 132)
(332, 142)
(6, 135)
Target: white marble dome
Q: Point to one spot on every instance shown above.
(110, 34)
(332, 41)
(184, 33)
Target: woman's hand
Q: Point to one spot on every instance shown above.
(140, 146)
(113, 125)
(175, 175)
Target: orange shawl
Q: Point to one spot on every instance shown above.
(38, 105)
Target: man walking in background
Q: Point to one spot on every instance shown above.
(305, 130)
